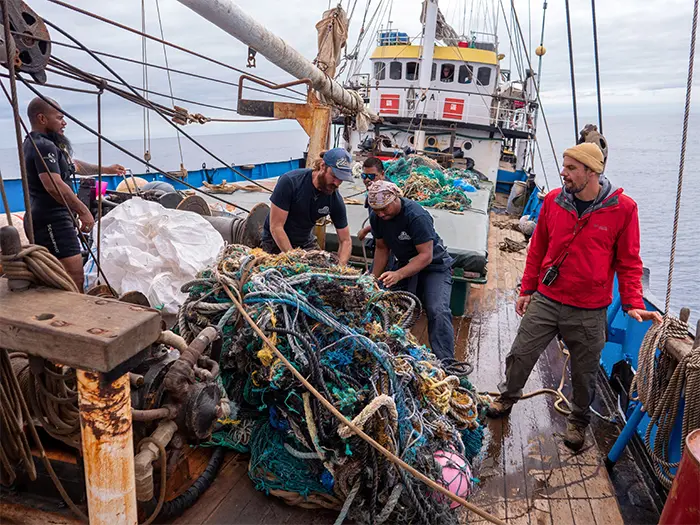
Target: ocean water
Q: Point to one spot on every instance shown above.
(644, 149)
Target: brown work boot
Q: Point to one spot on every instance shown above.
(575, 436)
(500, 407)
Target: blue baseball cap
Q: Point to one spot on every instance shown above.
(340, 161)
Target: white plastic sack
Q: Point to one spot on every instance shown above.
(154, 250)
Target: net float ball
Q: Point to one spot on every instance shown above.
(540, 51)
(456, 475)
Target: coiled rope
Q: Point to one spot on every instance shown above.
(661, 397)
(35, 263)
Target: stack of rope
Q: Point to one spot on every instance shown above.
(351, 340)
(665, 387)
(422, 180)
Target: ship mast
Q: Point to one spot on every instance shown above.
(426, 62)
(231, 18)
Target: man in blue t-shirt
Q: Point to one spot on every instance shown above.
(402, 227)
(301, 197)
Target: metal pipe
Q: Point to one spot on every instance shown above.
(232, 19)
(107, 440)
(148, 453)
(29, 226)
(153, 414)
(99, 179)
(426, 60)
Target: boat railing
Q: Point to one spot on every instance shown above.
(359, 82)
(474, 108)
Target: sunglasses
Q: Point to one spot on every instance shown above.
(368, 176)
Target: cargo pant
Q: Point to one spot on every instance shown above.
(433, 288)
(583, 331)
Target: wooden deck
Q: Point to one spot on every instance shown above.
(527, 475)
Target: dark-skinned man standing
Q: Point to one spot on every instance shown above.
(301, 197)
(50, 191)
(586, 233)
(405, 229)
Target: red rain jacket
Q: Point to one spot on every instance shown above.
(607, 242)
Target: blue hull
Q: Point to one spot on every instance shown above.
(195, 178)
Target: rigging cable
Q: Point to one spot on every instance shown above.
(571, 68)
(154, 108)
(597, 68)
(539, 99)
(146, 114)
(13, 100)
(151, 37)
(99, 180)
(170, 83)
(155, 66)
(681, 165)
(126, 151)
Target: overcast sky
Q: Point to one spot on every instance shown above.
(643, 48)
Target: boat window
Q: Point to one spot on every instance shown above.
(483, 77)
(379, 70)
(412, 71)
(465, 74)
(395, 70)
(447, 73)
(434, 72)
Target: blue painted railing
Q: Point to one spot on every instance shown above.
(195, 178)
(625, 336)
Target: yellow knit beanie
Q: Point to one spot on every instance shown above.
(588, 154)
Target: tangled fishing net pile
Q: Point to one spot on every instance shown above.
(350, 339)
(423, 180)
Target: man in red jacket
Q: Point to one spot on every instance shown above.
(586, 232)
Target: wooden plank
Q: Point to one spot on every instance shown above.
(190, 465)
(515, 442)
(17, 514)
(81, 331)
(420, 330)
(228, 477)
(461, 328)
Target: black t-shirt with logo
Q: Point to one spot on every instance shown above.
(296, 194)
(411, 227)
(45, 208)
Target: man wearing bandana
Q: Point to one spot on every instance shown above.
(51, 198)
(402, 227)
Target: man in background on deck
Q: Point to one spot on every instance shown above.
(372, 170)
(301, 197)
(51, 198)
(586, 232)
(403, 227)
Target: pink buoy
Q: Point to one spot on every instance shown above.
(456, 475)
